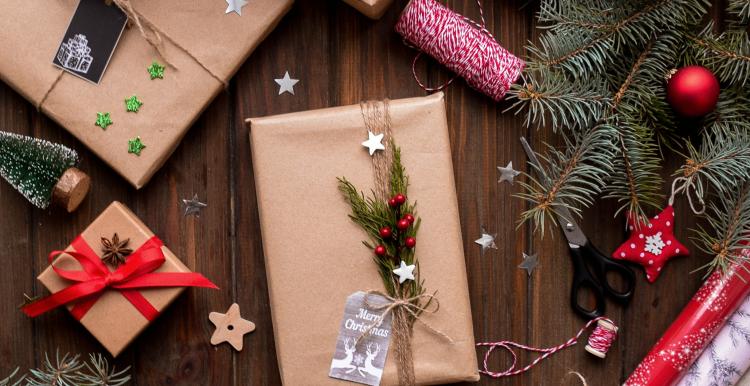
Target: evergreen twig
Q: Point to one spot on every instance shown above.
(70, 370)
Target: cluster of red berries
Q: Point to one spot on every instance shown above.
(402, 224)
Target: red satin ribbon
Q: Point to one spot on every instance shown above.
(95, 278)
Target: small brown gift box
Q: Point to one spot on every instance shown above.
(113, 320)
(314, 253)
(373, 9)
(206, 45)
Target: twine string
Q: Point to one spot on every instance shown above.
(152, 36)
(462, 45)
(601, 339)
(688, 185)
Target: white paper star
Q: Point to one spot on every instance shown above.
(286, 84)
(193, 206)
(487, 241)
(405, 272)
(507, 173)
(235, 6)
(373, 142)
(529, 262)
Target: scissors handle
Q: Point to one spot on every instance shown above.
(582, 279)
(604, 265)
(597, 282)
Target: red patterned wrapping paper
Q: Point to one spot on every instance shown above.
(694, 328)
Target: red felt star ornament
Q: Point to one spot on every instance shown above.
(652, 244)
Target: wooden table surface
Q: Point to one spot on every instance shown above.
(340, 57)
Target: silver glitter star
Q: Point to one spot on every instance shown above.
(487, 241)
(507, 173)
(193, 206)
(529, 262)
(235, 6)
(286, 84)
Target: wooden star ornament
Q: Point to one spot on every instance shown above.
(230, 327)
(652, 244)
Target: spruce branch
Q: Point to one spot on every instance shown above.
(70, 370)
(726, 54)
(11, 381)
(740, 9)
(728, 233)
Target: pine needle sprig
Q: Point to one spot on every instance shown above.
(70, 370)
(10, 381)
(740, 9)
(728, 232)
(571, 177)
(726, 54)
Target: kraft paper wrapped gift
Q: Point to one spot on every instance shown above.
(207, 46)
(373, 9)
(314, 253)
(112, 319)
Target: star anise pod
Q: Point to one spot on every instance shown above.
(115, 251)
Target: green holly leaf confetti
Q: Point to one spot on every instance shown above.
(135, 146)
(103, 120)
(133, 104)
(156, 70)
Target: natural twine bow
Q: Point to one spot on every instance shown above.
(688, 184)
(409, 305)
(153, 37)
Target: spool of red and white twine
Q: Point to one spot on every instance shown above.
(599, 343)
(464, 46)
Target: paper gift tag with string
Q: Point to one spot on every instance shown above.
(362, 344)
(91, 38)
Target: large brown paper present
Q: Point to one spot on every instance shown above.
(373, 9)
(206, 45)
(112, 319)
(314, 252)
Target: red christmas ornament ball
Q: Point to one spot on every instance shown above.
(400, 198)
(693, 91)
(408, 217)
(403, 224)
(392, 203)
(386, 232)
(410, 242)
(380, 250)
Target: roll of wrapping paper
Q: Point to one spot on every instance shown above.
(727, 357)
(694, 328)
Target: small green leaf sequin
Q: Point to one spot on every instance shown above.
(103, 120)
(156, 70)
(135, 146)
(132, 104)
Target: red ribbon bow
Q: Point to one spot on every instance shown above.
(95, 278)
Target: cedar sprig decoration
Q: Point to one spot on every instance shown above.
(728, 231)
(70, 370)
(373, 214)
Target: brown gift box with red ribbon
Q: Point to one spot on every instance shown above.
(121, 301)
(374, 9)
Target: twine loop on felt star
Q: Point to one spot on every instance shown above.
(688, 185)
(413, 306)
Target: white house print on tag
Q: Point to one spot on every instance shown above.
(75, 54)
(361, 358)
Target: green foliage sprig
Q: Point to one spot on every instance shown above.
(70, 370)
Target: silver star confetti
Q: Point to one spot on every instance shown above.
(193, 206)
(487, 241)
(507, 173)
(286, 84)
(373, 142)
(529, 262)
(235, 6)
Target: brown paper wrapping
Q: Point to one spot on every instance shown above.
(206, 45)
(314, 252)
(113, 320)
(374, 9)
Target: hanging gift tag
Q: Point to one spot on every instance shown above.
(91, 38)
(362, 345)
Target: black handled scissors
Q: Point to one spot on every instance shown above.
(592, 269)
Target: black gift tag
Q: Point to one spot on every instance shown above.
(90, 40)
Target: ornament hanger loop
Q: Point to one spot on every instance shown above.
(688, 185)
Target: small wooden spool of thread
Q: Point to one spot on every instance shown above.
(601, 338)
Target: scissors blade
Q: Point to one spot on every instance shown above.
(570, 228)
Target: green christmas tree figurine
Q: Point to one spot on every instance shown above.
(42, 171)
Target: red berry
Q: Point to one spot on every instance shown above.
(386, 232)
(408, 217)
(392, 203)
(403, 224)
(400, 198)
(410, 242)
(380, 250)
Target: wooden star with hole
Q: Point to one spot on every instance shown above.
(230, 327)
